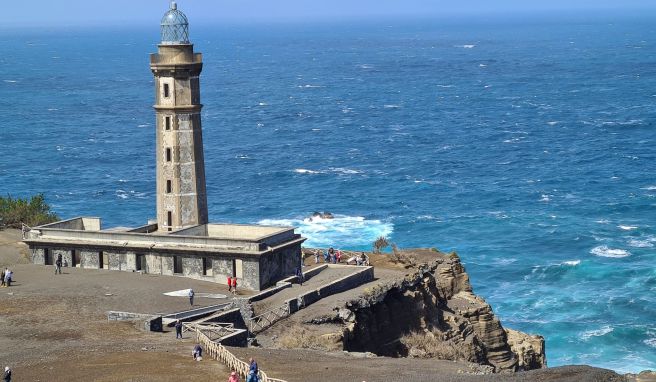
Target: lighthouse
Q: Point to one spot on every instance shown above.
(181, 191)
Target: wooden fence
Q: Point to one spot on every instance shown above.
(221, 354)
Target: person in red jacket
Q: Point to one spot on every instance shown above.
(233, 377)
(229, 284)
(234, 285)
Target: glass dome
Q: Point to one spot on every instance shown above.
(175, 27)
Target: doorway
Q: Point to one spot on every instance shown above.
(47, 256)
(75, 258)
(177, 264)
(238, 269)
(207, 266)
(101, 260)
(141, 262)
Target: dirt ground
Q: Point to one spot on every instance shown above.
(55, 328)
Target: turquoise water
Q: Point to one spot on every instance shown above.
(528, 148)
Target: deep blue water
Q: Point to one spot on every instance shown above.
(528, 148)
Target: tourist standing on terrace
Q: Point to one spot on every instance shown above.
(191, 297)
(178, 329)
(58, 264)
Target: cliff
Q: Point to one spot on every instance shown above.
(433, 313)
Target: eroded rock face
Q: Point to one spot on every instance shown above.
(436, 307)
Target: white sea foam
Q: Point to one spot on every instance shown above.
(602, 221)
(262, 104)
(10, 81)
(306, 171)
(627, 227)
(366, 66)
(466, 46)
(144, 125)
(571, 263)
(649, 188)
(650, 342)
(605, 251)
(482, 66)
(341, 232)
(553, 123)
(596, 333)
(308, 86)
(391, 106)
(446, 86)
(53, 109)
(545, 198)
(635, 243)
(344, 171)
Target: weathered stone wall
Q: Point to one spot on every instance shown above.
(89, 259)
(221, 269)
(38, 256)
(279, 265)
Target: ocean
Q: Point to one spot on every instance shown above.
(526, 146)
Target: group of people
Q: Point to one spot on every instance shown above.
(336, 256)
(6, 277)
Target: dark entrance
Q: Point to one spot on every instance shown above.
(177, 264)
(101, 260)
(207, 266)
(141, 262)
(47, 256)
(75, 258)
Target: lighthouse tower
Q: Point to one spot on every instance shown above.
(181, 195)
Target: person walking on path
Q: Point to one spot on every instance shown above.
(252, 371)
(178, 329)
(234, 285)
(8, 276)
(233, 377)
(299, 275)
(191, 297)
(58, 264)
(7, 375)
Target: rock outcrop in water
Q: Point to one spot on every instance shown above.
(432, 312)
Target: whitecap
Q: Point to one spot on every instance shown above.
(306, 171)
(627, 227)
(553, 123)
(309, 86)
(649, 188)
(466, 46)
(650, 342)
(10, 81)
(602, 221)
(604, 251)
(262, 104)
(545, 198)
(482, 66)
(640, 243)
(571, 263)
(596, 333)
(391, 106)
(366, 66)
(446, 86)
(144, 125)
(53, 109)
(341, 232)
(344, 171)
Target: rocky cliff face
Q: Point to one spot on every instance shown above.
(432, 312)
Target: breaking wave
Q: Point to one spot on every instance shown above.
(604, 251)
(596, 333)
(341, 232)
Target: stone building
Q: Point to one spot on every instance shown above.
(180, 241)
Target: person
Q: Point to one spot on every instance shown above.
(326, 256)
(8, 275)
(191, 297)
(317, 252)
(178, 329)
(58, 264)
(7, 376)
(233, 377)
(338, 255)
(252, 371)
(197, 353)
(229, 284)
(299, 275)
(234, 285)
(363, 259)
(331, 254)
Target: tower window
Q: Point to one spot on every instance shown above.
(169, 187)
(167, 123)
(169, 219)
(166, 91)
(168, 154)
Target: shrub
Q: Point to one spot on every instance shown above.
(380, 244)
(33, 211)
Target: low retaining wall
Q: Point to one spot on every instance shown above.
(233, 316)
(151, 323)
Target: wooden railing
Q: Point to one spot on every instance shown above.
(266, 319)
(221, 354)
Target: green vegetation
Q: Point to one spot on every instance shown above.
(33, 211)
